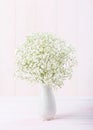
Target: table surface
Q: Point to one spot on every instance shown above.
(22, 113)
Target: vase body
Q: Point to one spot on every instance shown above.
(48, 105)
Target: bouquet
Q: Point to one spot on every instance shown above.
(45, 58)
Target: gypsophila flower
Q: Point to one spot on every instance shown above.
(46, 59)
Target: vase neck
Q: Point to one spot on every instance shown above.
(47, 88)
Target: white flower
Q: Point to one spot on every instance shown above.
(45, 58)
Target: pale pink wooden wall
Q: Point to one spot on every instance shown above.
(70, 19)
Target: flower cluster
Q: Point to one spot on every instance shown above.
(46, 59)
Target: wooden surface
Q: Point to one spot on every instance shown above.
(23, 113)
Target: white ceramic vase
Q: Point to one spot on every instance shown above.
(48, 105)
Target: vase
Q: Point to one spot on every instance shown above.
(48, 105)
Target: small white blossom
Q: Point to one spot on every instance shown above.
(46, 59)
